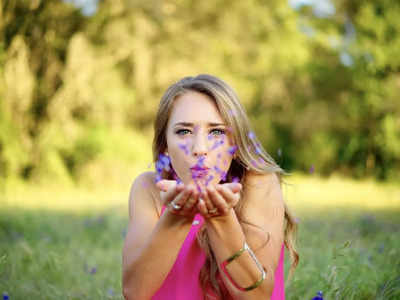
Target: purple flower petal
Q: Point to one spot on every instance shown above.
(165, 160)
(251, 135)
(209, 178)
(184, 148)
(159, 166)
(200, 161)
(232, 150)
(218, 170)
(254, 163)
(223, 175)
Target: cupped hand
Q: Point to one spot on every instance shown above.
(178, 198)
(218, 200)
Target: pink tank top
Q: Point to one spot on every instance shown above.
(182, 282)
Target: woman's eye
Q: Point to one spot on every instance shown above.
(182, 131)
(218, 131)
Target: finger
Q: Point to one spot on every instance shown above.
(230, 197)
(189, 201)
(201, 206)
(172, 193)
(204, 195)
(196, 197)
(235, 187)
(180, 200)
(218, 201)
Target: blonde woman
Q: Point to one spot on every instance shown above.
(211, 223)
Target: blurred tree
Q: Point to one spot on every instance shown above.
(356, 73)
(34, 36)
(321, 82)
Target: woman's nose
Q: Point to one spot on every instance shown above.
(200, 146)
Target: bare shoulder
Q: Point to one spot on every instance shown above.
(144, 193)
(263, 196)
(266, 182)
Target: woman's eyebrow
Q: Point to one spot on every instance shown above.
(188, 124)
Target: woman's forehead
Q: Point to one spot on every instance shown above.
(195, 108)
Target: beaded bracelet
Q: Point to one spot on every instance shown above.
(253, 256)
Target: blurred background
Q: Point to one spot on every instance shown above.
(80, 81)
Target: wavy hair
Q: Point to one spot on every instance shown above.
(250, 156)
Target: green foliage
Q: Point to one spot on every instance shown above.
(323, 90)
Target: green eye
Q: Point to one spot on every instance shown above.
(219, 131)
(182, 131)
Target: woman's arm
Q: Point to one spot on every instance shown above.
(152, 244)
(264, 208)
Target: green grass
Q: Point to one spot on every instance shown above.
(60, 243)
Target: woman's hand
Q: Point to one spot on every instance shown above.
(219, 200)
(178, 198)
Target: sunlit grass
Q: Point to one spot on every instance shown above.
(65, 243)
(305, 192)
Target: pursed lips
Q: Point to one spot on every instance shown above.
(198, 171)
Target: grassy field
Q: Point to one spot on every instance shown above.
(60, 243)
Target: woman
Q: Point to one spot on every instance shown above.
(211, 223)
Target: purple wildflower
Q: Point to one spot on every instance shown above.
(184, 148)
(235, 179)
(164, 159)
(318, 297)
(232, 150)
(312, 169)
(93, 270)
(223, 175)
(159, 166)
(217, 144)
(209, 178)
(200, 161)
(218, 170)
(251, 135)
(258, 150)
(158, 178)
(5, 296)
(110, 292)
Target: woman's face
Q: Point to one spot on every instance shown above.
(199, 142)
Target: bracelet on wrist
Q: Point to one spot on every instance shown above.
(253, 256)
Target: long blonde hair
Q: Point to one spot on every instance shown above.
(250, 156)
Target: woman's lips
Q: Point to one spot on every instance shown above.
(199, 172)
